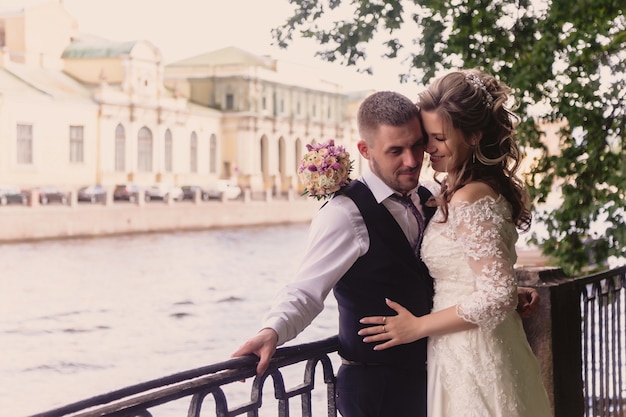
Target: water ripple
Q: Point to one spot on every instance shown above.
(64, 368)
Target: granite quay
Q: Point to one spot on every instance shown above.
(56, 221)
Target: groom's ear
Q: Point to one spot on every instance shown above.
(364, 150)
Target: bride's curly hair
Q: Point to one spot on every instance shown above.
(475, 102)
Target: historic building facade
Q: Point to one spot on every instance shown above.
(78, 110)
(270, 111)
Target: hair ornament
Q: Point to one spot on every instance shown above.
(478, 84)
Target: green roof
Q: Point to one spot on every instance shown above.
(98, 49)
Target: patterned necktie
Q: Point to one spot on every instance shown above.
(406, 201)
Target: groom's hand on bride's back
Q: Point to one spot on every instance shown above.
(528, 301)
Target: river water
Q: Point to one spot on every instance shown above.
(83, 317)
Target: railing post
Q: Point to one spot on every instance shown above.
(554, 334)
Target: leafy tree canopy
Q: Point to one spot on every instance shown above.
(565, 61)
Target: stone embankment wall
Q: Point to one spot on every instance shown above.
(21, 223)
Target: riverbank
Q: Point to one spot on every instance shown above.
(21, 223)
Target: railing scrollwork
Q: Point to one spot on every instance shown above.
(208, 381)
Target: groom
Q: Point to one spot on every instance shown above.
(363, 244)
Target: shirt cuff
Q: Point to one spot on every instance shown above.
(278, 326)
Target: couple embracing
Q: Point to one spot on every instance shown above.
(418, 276)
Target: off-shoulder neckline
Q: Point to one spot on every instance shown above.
(486, 198)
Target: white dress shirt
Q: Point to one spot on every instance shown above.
(337, 238)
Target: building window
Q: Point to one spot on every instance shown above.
(298, 154)
(120, 148)
(264, 103)
(281, 157)
(298, 108)
(24, 144)
(193, 152)
(144, 150)
(213, 155)
(230, 101)
(168, 151)
(264, 154)
(282, 106)
(274, 104)
(76, 144)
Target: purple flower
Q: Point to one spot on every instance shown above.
(324, 169)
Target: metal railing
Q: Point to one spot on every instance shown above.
(586, 334)
(603, 306)
(198, 385)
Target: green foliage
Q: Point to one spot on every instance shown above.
(565, 61)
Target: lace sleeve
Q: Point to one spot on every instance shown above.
(487, 240)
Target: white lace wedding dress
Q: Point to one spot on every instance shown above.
(489, 371)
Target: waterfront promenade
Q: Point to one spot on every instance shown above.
(23, 223)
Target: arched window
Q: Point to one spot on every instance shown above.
(298, 155)
(168, 151)
(264, 157)
(193, 152)
(120, 148)
(281, 157)
(213, 154)
(144, 150)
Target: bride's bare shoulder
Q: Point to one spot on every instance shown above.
(473, 192)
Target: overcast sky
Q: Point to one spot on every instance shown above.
(185, 28)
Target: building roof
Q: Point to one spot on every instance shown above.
(17, 6)
(226, 56)
(20, 78)
(235, 62)
(98, 48)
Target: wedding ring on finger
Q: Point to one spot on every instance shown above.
(384, 331)
(384, 319)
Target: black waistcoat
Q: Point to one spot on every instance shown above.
(389, 269)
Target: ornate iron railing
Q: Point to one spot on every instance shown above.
(198, 385)
(603, 307)
(582, 345)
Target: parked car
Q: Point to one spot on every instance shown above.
(51, 194)
(230, 190)
(189, 192)
(164, 192)
(92, 194)
(12, 194)
(126, 192)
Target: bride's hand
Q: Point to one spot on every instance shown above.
(392, 330)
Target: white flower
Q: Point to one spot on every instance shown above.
(324, 169)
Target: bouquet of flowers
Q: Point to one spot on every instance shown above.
(324, 169)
